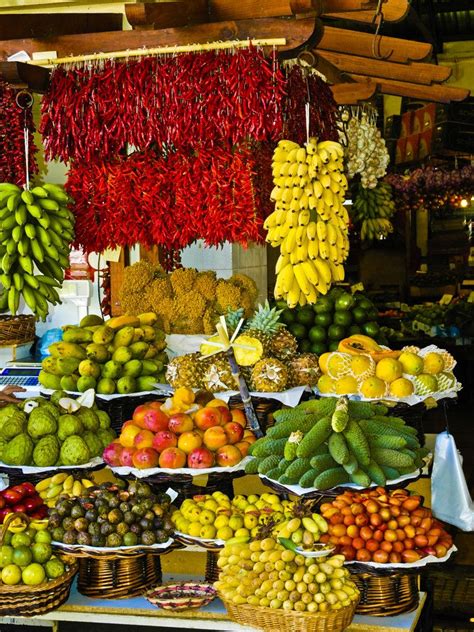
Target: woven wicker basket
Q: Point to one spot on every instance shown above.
(30, 601)
(16, 330)
(272, 620)
(386, 595)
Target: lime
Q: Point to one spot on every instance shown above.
(287, 316)
(20, 539)
(370, 329)
(344, 301)
(305, 346)
(317, 334)
(342, 318)
(33, 575)
(31, 532)
(6, 555)
(336, 332)
(22, 556)
(41, 552)
(323, 305)
(11, 575)
(7, 537)
(323, 319)
(359, 315)
(130, 539)
(298, 330)
(54, 568)
(366, 304)
(333, 345)
(43, 536)
(318, 348)
(372, 314)
(353, 330)
(305, 316)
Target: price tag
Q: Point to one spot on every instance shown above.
(470, 298)
(446, 299)
(112, 254)
(357, 287)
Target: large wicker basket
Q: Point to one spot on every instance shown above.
(30, 601)
(386, 595)
(271, 620)
(16, 330)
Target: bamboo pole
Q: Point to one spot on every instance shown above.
(162, 50)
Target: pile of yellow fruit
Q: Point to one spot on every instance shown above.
(211, 516)
(398, 375)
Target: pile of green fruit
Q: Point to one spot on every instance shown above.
(329, 442)
(112, 515)
(42, 433)
(121, 355)
(26, 556)
(36, 230)
(335, 316)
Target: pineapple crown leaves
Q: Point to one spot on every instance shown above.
(266, 319)
(233, 317)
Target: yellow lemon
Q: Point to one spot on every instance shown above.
(339, 364)
(346, 385)
(433, 363)
(446, 381)
(362, 365)
(401, 387)
(425, 384)
(326, 384)
(323, 361)
(388, 369)
(373, 387)
(411, 363)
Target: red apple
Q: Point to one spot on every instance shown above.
(126, 457)
(200, 458)
(112, 454)
(234, 432)
(225, 414)
(179, 423)
(239, 417)
(207, 417)
(145, 458)
(172, 458)
(164, 439)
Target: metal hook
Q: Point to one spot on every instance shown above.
(378, 20)
(24, 99)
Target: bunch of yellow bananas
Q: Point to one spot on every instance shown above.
(373, 208)
(36, 230)
(310, 223)
(61, 483)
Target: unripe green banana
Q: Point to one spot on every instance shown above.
(21, 214)
(11, 246)
(44, 221)
(30, 297)
(9, 222)
(47, 280)
(17, 233)
(13, 300)
(6, 280)
(31, 280)
(36, 251)
(18, 281)
(30, 231)
(27, 197)
(24, 246)
(39, 192)
(13, 201)
(26, 264)
(7, 262)
(34, 210)
(49, 205)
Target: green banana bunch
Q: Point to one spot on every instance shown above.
(373, 208)
(310, 221)
(36, 230)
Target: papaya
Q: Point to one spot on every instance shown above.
(358, 343)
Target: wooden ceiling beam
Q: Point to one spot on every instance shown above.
(411, 72)
(13, 26)
(21, 75)
(438, 93)
(357, 43)
(245, 9)
(393, 10)
(151, 15)
(297, 33)
(353, 93)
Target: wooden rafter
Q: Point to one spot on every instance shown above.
(151, 15)
(412, 72)
(51, 24)
(393, 11)
(353, 93)
(438, 93)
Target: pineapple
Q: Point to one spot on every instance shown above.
(185, 371)
(217, 375)
(233, 318)
(263, 325)
(283, 344)
(303, 370)
(269, 375)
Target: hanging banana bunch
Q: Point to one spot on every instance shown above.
(36, 230)
(374, 208)
(310, 223)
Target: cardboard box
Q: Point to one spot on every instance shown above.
(400, 151)
(411, 148)
(406, 126)
(424, 143)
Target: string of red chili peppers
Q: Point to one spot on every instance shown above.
(12, 144)
(172, 201)
(184, 101)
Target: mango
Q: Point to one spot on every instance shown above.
(133, 368)
(77, 334)
(146, 383)
(152, 352)
(85, 382)
(139, 349)
(111, 369)
(88, 368)
(126, 385)
(148, 333)
(97, 353)
(67, 366)
(147, 318)
(67, 350)
(150, 367)
(103, 335)
(138, 334)
(90, 320)
(105, 386)
(50, 365)
(122, 355)
(69, 382)
(124, 337)
(123, 321)
(48, 380)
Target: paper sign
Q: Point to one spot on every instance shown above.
(112, 254)
(357, 287)
(446, 299)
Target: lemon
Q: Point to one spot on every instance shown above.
(11, 575)
(401, 387)
(433, 363)
(446, 381)
(339, 364)
(411, 363)
(425, 383)
(373, 387)
(54, 568)
(326, 384)
(388, 369)
(362, 365)
(247, 356)
(33, 575)
(323, 361)
(346, 385)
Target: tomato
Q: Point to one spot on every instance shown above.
(11, 496)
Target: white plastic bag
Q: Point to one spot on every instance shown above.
(450, 498)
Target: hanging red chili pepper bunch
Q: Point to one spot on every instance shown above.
(12, 144)
(170, 259)
(323, 108)
(182, 101)
(149, 199)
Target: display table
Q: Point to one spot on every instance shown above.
(138, 612)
